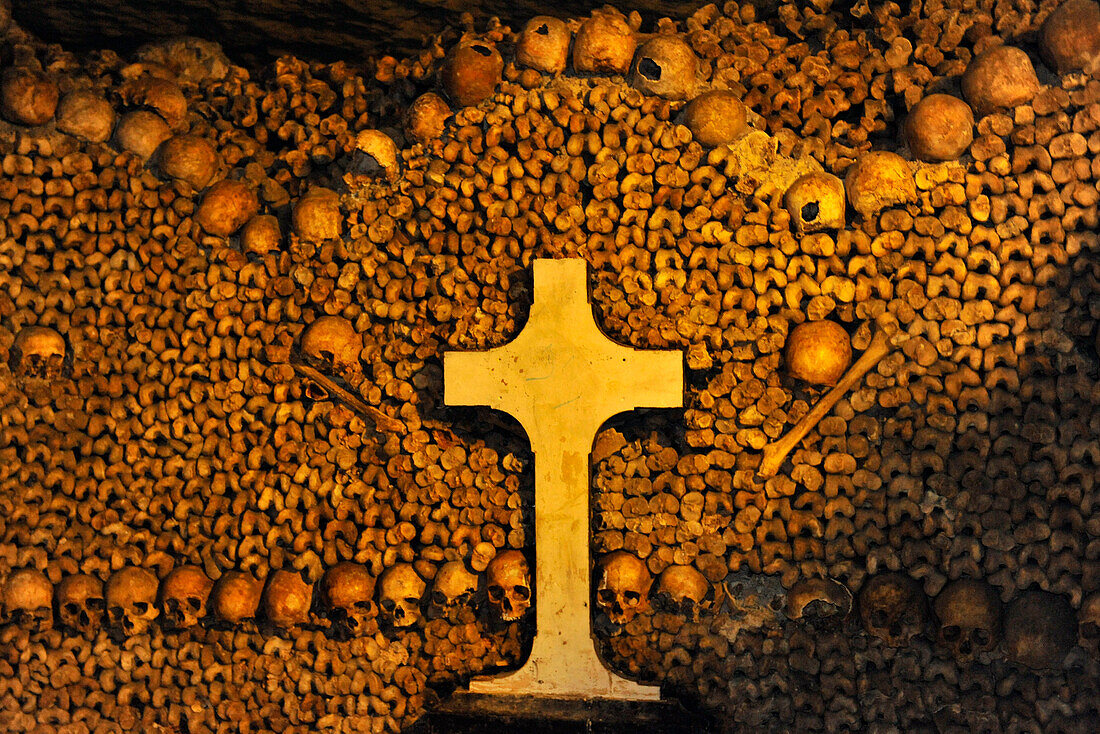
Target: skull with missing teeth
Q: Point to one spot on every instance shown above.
(508, 583)
(624, 585)
(38, 352)
(347, 590)
(183, 596)
(400, 594)
(452, 589)
(131, 600)
(80, 604)
(683, 590)
(28, 599)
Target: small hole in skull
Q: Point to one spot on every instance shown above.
(649, 68)
(543, 30)
(810, 211)
(483, 50)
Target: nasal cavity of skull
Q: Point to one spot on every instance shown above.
(649, 68)
(483, 50)
(810, 211)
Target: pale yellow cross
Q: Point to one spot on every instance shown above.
(561, 378)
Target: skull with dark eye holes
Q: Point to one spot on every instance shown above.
(80, 604)
(893, 608)
(182, 597)
(969, 614)
(508, 584)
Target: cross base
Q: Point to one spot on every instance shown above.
(580, 681)
(469, 713)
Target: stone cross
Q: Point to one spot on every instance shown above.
(561, 378)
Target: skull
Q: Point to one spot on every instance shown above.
(226, 206)
(316, 215)
(401, 592)
(683, 590)
(544, 44)
(183, 596)
(1001, 76)
(604, 44)
(375, 153)
(28, 599)
(80, 603)
(815, 202)
(286, 599)
(471, 72)
(38, 351)
(818, 600)
(717, 117)
(893, 608)
(969, 613)
(1088, 624)
(235, 597)
(1040, 628)
(508, 583)
(818, 352)
(427, 117)
(347, 590)
(665, 66)
(332, 345)
(1070, 36)
(452, 588)
(877, 180)
(131, 600)
(624, 585)
(939, 128)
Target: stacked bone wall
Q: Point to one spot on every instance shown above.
(185, 420)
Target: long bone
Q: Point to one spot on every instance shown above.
(776, 452)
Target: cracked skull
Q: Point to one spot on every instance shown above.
(332, 345)
(818, 600)
(683, 590)
(624, 586)
(80, 603)
(347, 591)
(508, 583)
(131, 600)
(969, 614)
(28, 599)
(184, 593)
(400, 594)
(452, 588)
(893, 608)
(39, 352)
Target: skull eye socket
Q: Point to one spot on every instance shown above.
(981, 637)
(141, 607)
(389, 604)
(195, 603)
(412, 601)
(439, 598)
(650, 69)
(607, 596)
(951, 633)
(363, 605)
(96, 603)
(878, 618)
(521, 592)
(631, 597)
(496, 593)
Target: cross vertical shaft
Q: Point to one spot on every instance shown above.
(561, 378)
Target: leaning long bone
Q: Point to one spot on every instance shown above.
(382, 421)
(776, 452)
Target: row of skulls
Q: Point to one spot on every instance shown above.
(1038, 628)
(348, 597)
